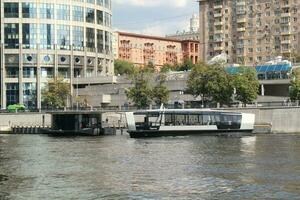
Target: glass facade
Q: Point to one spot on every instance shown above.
(75, 30)
(11, 36)
(63, 37)
(78, 38)
(29, 36)
(78, 13)
(47, 11)
(90, 36)
(11, 10)
(29, 95)
(47, 36)
(29, 10)
(12, 93)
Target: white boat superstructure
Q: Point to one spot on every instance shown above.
(173, 122)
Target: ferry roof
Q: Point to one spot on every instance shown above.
(183, 111)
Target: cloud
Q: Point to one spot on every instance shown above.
(153, 3)
(159, 29)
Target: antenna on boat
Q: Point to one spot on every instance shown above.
(162, 107)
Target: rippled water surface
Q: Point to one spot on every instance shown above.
(118, 167)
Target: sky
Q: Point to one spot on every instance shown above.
(153, 17)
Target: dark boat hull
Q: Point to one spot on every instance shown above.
(65, 133)
(174, 133)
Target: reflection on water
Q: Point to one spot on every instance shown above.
(118, 167)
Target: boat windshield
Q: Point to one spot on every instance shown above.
(147, 120)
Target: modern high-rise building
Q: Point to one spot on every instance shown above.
(44, 39)
(250, 32)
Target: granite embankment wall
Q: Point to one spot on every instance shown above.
(8, 120)
(281, 120)
(274, 120)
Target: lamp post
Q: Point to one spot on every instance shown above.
(77, 103)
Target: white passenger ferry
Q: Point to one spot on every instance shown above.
(178, 122)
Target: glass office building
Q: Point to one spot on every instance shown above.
(41, 40)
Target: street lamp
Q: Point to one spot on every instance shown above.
(77, 103)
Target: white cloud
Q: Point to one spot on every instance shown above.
(160, 29)
(153, 3)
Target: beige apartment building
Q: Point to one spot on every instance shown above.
(250, 32)
(144, 49)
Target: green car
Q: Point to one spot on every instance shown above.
(16, 108)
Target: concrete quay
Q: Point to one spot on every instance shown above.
(274, 119)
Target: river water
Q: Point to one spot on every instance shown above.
(118, 167)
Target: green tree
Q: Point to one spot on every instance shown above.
(123, 67)
(246, 84)
(295, 86)
(160, 93)
(140, 93)
(56, 93)
(211, 82)
(186, 65)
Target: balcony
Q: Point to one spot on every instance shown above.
(286, 32)
(218, 31)
(242, 29)
(286, 51)
(286, 14)
(285, 6)
(286, 42)
(218, 23)
(217, 15)
(241, 12)
(219, 48)
(218, 40)
(242, 3)
(241, 20)
(217, 7)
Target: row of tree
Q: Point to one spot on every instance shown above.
(211, 82)
(214, 84)
(147, 88)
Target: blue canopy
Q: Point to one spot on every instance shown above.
(263, 68)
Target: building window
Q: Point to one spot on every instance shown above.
(29, 72)
(100, 2)
(107, 42)
(11, 10)
(11, 36)
(64, 72)
(90, 39)
(47, 72)
(63, 37)
(29, 10)
(100, 43)
(107, 19)
(46, 36)
(90, 15)
(100, 17)
(90, 1)
(78, 38)
(107, 3)
(12, 72)
(63, 12)
(29, 36)
(29, 95)
(47, 11)
(78, 14)
(12, 93)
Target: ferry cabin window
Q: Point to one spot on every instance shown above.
(191, 119)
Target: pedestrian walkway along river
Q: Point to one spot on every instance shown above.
(118, 167)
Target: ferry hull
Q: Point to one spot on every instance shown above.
(174, 133)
